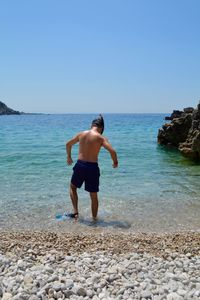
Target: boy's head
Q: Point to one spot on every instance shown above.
(99, 123)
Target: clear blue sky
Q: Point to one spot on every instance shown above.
(99, 55)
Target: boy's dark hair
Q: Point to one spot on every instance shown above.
(99, 122)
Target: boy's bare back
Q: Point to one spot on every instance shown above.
(90, 143)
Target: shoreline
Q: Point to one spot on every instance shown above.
(159, 244)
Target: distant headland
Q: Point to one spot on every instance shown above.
(5, 110)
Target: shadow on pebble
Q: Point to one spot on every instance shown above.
(102, 223)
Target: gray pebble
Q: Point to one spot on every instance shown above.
(146, 294)
(7, 296)
(174, 296)
(90, 293)
(34, 297)
(197, 293)
(68, 293)
(81, 292)
(69, 283)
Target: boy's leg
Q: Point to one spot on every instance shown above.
(74, 197)
(94, 205)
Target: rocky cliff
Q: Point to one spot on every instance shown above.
(183, 132)
(5, 110)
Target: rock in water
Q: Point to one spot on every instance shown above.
(5, 110)
(175, 114)
(183, 132)
(191, 146)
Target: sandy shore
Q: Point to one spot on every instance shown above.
(156, 244)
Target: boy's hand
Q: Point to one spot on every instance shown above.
(69, 161)
(115, 164)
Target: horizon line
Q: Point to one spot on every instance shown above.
(89, 113)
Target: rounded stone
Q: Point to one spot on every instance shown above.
(51, 293)
(49, 269)
(146, 294)
(81, 292)
(90, 293)
(1, 292)
(174, 296)
(7, 296)
(28, 279)
(197, 293)
(181, 292)
(68, 293)
(69, 283)
(60, 295)
(34, 297)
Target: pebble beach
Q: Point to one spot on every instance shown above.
(101, 265)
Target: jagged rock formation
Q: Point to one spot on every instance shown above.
(5, 110)
(183, 132)
(175, 114)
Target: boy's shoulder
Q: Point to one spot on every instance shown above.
(83, 132)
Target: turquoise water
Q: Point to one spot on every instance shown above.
(154, 189)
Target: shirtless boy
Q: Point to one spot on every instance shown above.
(86, 169)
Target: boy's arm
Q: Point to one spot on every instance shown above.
(113, 153)
(69, 145)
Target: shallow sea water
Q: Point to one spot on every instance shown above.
(154, 188)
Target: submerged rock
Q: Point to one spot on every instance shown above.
(183, 132)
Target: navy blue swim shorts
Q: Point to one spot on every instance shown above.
(87, 172)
